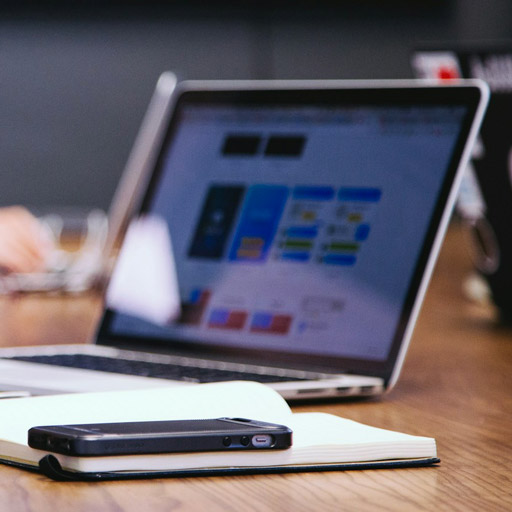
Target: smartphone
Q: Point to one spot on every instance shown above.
(160, 437)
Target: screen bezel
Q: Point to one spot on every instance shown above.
(339, 96)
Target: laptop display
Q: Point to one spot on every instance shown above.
(301, 222)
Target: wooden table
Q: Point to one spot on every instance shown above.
(456, 386)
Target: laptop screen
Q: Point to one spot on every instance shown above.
(298, 227)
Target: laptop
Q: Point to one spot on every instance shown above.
(486, 203)
(303, 220)
(91, 264)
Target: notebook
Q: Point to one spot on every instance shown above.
(486, 204)
(320, 442)
(301, 221)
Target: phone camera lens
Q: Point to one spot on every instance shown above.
(245, 440)
(226, 441)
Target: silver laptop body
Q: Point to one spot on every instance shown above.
(303, 219)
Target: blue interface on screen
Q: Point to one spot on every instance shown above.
(298, 228)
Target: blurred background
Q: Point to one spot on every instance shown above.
(76, 76)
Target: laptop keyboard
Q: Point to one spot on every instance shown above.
(151, 369)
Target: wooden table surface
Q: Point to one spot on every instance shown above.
(456, 386)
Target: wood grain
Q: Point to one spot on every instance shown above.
(456, 386)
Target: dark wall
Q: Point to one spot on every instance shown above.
(75, 78)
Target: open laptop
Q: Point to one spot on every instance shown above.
(305, 218)
(91, 263)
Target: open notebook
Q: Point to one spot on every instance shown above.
(320, 441)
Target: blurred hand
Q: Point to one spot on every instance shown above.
(24, 246)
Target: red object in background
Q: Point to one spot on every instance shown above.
(447, 74)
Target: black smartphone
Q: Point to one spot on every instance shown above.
(160, 437)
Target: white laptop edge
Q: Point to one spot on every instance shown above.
(139, 165)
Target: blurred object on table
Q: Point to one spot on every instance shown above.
(75, 264)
